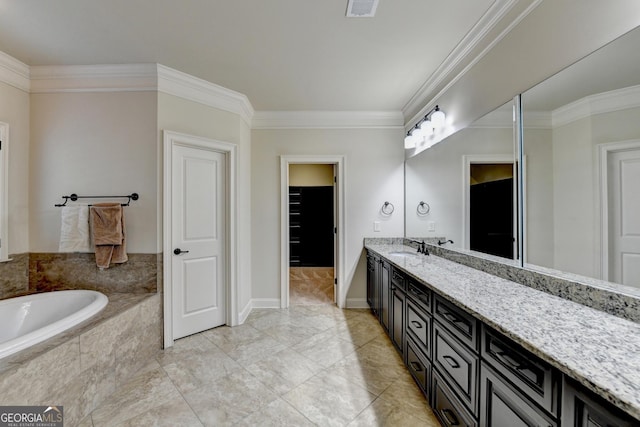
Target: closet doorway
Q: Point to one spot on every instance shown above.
(490, 205)
(311, 230)
(311, 234)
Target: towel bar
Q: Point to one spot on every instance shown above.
(74, 197)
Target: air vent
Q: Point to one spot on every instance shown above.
(361, 8)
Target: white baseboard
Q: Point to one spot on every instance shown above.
(245, 312)
(357, 303)
(265, 303)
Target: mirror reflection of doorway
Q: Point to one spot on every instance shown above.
(311, 234)
(491, 209)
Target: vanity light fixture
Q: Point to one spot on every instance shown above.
(432, 122)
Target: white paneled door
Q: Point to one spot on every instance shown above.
(624, 214)
(198, 239)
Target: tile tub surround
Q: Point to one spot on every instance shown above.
(14, 276)
(82, 367)
(599, 350)
(58, 271)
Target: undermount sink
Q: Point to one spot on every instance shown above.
(402, 253)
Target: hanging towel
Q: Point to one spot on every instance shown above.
(108, 232)
(74, 232)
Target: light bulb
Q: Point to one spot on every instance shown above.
(426, 128)
(409, 142)
(438, 118)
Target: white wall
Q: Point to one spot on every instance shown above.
(374, 174)
(93, 144)
(310, 175)
(14, 110)
(435, 176)
(181, 115)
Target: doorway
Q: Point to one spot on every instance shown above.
(490, 208)
(311, 234)
(312, 186)
(199, 235)
(620, 174)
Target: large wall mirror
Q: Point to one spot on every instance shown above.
(462, 189)
(582, 146)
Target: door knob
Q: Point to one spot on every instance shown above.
(179, 251)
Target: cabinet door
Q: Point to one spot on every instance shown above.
(385, 297)
(582, 408)
(397, 323)
(371, 278)
(502, 405)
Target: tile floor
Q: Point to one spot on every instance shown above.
(310, 285)
(304, 366)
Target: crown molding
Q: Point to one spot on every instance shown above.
(183, 85)
(498, 10)
(479, 31)
(93, 78)
(327, 119)
(601, 103)
(14, 72)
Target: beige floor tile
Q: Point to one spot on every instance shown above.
(290, 334)
(147, 391)
(329, 401)
(228, 338)
(229, 399)
(172, 414)
(405, 395)
(284, 371)
(325, 349)
(86, 422)
(384, 414)
(276, 414)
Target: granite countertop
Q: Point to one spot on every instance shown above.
(599, 350)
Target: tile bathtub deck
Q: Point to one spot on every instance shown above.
(304, 366)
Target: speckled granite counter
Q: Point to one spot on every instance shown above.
(599, 350)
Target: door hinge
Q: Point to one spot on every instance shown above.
(335, 281)
(335, 230)
(335, 179)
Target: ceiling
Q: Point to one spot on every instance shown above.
(282, 54)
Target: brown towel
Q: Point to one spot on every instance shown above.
(108, 233)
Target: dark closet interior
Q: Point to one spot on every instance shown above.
(311, 230)
(491, 218)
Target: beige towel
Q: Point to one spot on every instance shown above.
(108, 232)
(74, 231)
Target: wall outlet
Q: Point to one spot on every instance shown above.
(376, 225)
(431, 226)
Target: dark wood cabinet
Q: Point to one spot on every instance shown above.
(504, 405)
(581, 408)
(385, 294)
(471, 374)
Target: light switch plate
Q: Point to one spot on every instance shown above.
(431, 226)
(376, 225)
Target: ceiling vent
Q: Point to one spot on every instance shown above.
(361, 8)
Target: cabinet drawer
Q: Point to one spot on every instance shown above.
(420, 295)
(504, 405)
(536, 379)
(419, 367)
(398, 279)
(458, 366)
(419, 326)
(463, 325)
(447, 408)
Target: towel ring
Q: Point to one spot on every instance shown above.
(423, 208)
(387, 208)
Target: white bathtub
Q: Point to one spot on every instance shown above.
(28, 320)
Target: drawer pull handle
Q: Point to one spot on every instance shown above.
(451, 361)
(450, 417)
(521, 367)
(450, 317)
(416, 324)
(416, 366)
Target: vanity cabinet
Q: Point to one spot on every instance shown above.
(471, 374)
(397, 318)
(373, 283)
(582, 408)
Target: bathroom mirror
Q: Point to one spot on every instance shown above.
(582, 147)
(462, 188)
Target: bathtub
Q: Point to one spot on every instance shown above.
(28, 320)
